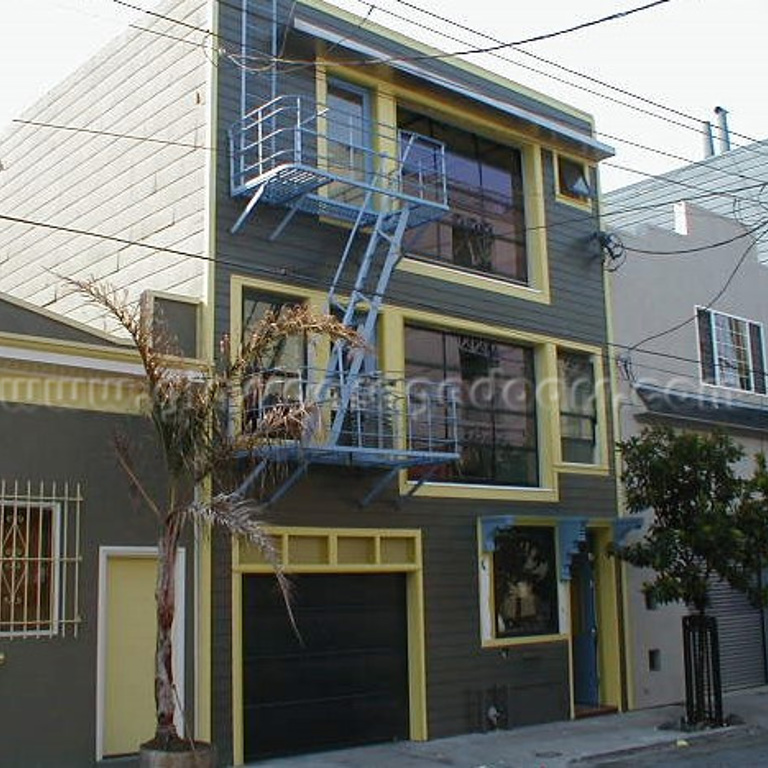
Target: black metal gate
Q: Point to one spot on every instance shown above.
(701, 656)
(344, 682)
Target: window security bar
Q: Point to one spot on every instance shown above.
(40, 559)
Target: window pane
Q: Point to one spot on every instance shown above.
(733, 350)
(573, 178)
(525, 582)
(485, 230)
(578, 411)
(280, 376)
(496, 391)
(26, 569)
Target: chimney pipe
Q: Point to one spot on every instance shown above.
(709, 143)
(725, 136)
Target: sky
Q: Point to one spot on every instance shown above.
(687, 55)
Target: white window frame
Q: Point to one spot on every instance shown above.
(716, 344)
(64, 505)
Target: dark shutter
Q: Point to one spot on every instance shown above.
(706, 353)
(758, 363)
(741, 635)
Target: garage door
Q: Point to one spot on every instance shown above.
(343, 682)
(740, 630)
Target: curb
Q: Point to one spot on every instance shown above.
(714, 735)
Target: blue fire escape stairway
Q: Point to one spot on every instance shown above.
(370, 420)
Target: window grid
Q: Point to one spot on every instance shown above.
(578, 407)
(495, 384)
(733, 356)
(485, 230)
(39, 559)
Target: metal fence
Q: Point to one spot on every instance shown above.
(703, 685)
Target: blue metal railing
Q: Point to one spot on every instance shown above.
(382, 415)
(290, 139)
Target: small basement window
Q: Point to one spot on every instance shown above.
(573, 180)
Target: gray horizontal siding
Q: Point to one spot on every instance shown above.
(531, 682)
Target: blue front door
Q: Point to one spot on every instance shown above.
(584, 629)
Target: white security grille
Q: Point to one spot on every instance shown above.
(39, 559)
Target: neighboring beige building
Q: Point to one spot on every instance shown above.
(689, 320)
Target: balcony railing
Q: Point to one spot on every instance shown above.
(306, 154)
(386, 422)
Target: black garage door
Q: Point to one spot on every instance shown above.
(344, 682)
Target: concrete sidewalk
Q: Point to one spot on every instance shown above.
(553, 745)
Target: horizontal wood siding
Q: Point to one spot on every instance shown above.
(463, 678)
(147, 189)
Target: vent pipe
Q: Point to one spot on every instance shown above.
(709, 142)
(725, 136)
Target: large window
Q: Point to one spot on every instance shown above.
(524, 582)
(578, 409)
(485, 229)
(39, 560)
(731, 351)
(495, 387)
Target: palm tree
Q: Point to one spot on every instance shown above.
(190, 414)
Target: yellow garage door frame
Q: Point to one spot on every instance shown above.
(112, 556)
(337, 550)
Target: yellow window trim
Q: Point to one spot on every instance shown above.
(487, 601)
(417, 686)
(602, 466)
(523, 641)
(560, 196)
(447, 105)
(571, 468)
(395, 319)
(385, 96)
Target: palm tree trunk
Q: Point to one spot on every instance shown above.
(165, 599)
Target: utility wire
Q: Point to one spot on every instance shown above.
(699, 248)
(490, 49)
(710, 303)
(556, 65)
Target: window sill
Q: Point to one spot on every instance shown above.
(485, 492)
(452, 274)
(507, 642)
(582, 469)
(734, 390)
(572, 202)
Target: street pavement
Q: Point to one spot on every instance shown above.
(630, 737)
(740, 749)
